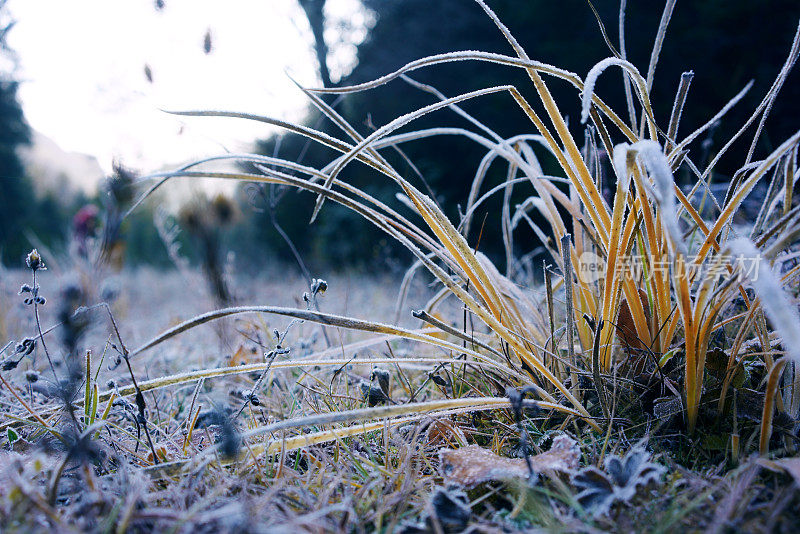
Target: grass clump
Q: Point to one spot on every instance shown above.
(628, 340)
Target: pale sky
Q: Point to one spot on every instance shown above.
(82, 65)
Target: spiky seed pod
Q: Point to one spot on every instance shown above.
(120, 185)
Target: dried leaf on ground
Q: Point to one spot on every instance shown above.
(473, 465)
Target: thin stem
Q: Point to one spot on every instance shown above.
(41, 334)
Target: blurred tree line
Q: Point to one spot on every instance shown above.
(31, 216)
(21, 209)
(725, 42)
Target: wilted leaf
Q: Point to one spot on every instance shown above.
(161, 452)
(445, 433)
(438, 380)
(717, 365)
(373, 394)
(241, 356)
(383, 377)
(666, 407)
(620, 481)
(635, 348)
(450, 509)
(716, 362)
(473, 465)
(447, 511)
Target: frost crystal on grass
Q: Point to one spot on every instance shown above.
(774, 299)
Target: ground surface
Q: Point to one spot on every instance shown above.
(387, 480)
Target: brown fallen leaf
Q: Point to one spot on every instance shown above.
(473, 465)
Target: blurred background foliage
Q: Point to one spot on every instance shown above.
(725, 42)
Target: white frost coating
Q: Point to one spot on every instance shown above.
(531, 158)
(594, 74)
(621, 165)
(657, 165)
(782, 314)
(406, 202)
(522, 209)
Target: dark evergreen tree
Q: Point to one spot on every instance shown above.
(17, 198)
(22, 211)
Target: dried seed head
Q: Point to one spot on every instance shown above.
(382, 377)
(228, 439)
(372, 394)
(32, 376)
(34, 261)
(25, 347)
(207, 44)
(120, 185)
(71, 290)
(190, 218)
(224, 209)
(318, 286)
